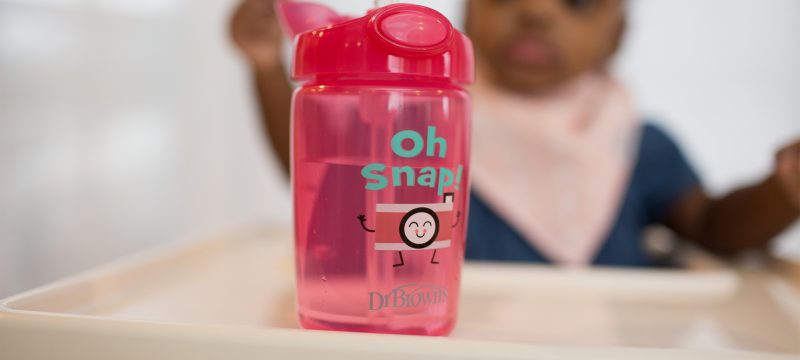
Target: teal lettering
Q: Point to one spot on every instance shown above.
(458, 175)
(433, 140)
(397, 143)
(398, 171)
(445, 180)
(427, 177)
(372, 172)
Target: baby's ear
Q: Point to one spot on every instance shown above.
(619, 35)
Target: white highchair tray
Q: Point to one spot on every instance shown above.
(232, 298)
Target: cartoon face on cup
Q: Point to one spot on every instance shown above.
(419, 227)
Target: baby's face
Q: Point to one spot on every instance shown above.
(420, 228)
(532, 46)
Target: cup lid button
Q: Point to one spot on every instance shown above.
(413, 29)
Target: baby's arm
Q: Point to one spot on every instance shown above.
(256, 32)
(746, 218)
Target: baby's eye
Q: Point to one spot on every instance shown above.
(581, 5)
(426, 224)
(413, 224)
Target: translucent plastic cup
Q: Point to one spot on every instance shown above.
(380, 171)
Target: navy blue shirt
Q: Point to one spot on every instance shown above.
(661, 176)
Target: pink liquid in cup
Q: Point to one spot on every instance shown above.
(380, 168)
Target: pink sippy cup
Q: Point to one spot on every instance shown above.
(380, 167)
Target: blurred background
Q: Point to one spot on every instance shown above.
(126, 124)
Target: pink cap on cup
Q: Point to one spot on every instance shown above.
(399, 39)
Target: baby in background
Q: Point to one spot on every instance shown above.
(580, 175)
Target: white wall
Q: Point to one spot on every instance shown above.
(124, 124)
(129, 123)
(723, 76)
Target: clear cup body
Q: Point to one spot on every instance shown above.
(380, 176)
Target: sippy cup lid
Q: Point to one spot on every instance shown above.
(401, 39)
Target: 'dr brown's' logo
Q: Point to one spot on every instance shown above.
(409, 295)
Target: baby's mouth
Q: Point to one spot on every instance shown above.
(532, 51)
(418, 235)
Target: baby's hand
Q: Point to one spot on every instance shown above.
(256, 32)
(787, 170)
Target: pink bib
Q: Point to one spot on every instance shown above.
(556, 166)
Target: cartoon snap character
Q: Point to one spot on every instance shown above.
(400, 227)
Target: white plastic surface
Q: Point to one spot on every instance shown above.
(232, 298)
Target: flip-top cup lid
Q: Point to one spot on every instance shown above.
(395, 40)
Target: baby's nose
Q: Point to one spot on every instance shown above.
(537, 14)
